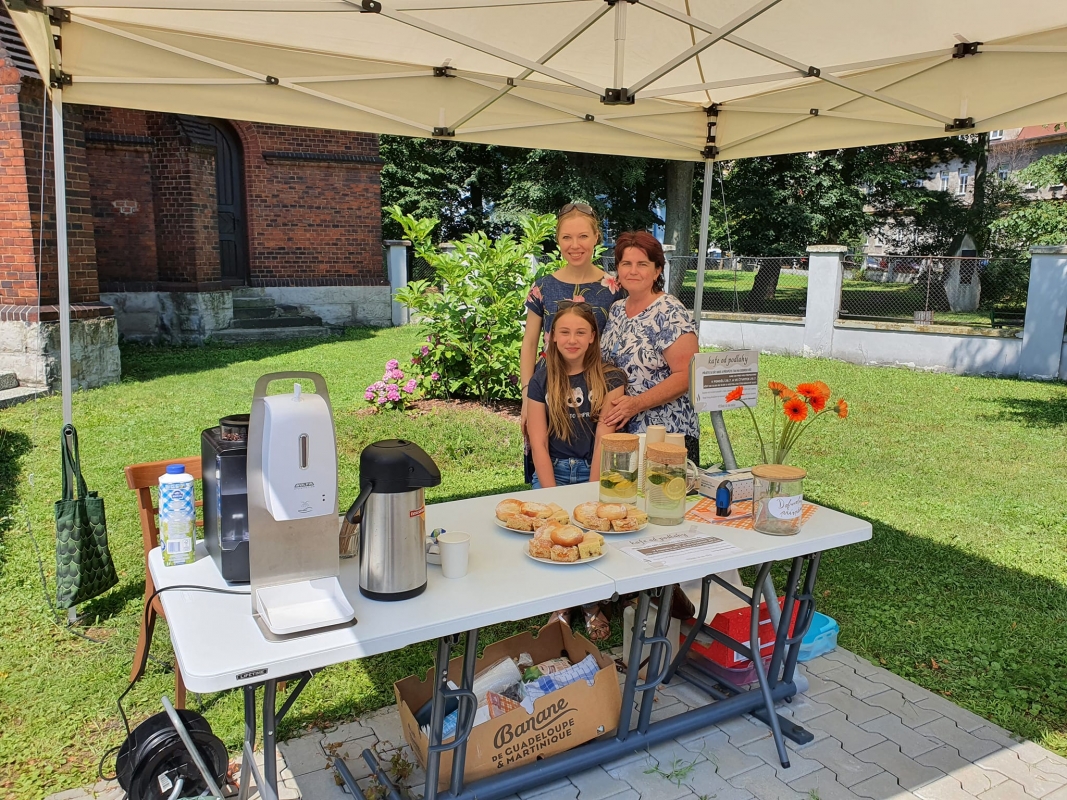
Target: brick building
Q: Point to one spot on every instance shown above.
(180, 229)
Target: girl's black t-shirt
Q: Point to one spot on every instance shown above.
(583, 429)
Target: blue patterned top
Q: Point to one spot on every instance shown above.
(635, 345)
(547, 291)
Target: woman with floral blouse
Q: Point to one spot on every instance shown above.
(651, 337)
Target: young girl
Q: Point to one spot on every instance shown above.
(566, 398)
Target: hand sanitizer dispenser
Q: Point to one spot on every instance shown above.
(299, 456)
(293, 526)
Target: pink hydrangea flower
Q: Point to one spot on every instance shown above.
(368, 396)
(392, 364)
(434, 376)
(381, 399)
(409, 387)
(425, 350)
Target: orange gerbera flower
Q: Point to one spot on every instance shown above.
(842, 409)
(735, 394)
(788, 394)
(809, 391)
(778, 389)
(796, 409)
(818, 403)
(824, 391)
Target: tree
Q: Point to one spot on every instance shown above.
(473, 187)
(677, 229)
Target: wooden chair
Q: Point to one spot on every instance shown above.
(141, 478)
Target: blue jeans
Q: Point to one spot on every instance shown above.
(567, 471)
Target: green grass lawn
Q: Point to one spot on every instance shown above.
(962, 590)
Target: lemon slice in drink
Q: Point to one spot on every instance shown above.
(675, 488)
(624, 487)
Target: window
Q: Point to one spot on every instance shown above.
(962, 188)
(944, 181)
(1003, 171)
(996, 136)
(919, 183)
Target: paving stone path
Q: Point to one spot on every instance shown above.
(877, 737)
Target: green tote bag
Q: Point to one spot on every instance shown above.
(83, 561)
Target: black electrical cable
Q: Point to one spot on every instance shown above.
(147, 607)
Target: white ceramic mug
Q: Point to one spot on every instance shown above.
(674, 438)
(455, 553)
(655, 433)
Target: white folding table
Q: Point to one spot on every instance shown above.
(219, 646)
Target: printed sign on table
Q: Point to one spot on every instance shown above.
(712, 376)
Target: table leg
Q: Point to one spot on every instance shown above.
(465, 715)
(250, 741)
(629, 687)
(757, 663)
(270, 750)
(659, 658)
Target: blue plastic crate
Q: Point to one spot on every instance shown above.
(821, 637)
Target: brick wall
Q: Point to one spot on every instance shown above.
(119, 152)
(81, 249)
(18, 266)
(186, 211)
(313, 201)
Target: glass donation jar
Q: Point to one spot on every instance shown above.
(668, 478)
(618, 468)
(777, 499)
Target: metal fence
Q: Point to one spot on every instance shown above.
(934, 290)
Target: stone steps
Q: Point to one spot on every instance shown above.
(245, 335)
(253, 312)
(20, 394)
(279, 321)
(8, 380)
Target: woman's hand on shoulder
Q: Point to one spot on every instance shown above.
(620, 410)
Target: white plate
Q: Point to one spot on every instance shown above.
(579, 562)
(611, 532)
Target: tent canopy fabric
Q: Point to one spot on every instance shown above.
(583, 75)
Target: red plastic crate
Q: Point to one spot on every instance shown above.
(736, 624)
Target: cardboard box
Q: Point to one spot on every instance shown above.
(740, 483)
(561, 720)
(737, 623)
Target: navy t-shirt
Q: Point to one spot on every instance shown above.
(583, 429)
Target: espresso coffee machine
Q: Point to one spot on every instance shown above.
(391, 513)
(223, 459)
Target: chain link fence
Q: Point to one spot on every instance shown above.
(935, 290)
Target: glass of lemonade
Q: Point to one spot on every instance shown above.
(669, 477)
(618, 468)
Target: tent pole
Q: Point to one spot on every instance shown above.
(61, 250)
(702, 255)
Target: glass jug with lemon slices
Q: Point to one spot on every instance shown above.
(669, 477)
(618, 468)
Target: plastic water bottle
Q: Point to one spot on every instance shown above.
(177, 516)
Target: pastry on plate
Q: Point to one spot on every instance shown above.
(598, 524)
(567, 535)
(590, 546)
(633, 512)
(612, 510)
(539, 510)
(586, 512)
(541, 548)
(624, 525)
(508, 508)
(561, 516)
(561, 553)
(519, 522)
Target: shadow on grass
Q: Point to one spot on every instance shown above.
(111, 604)
(13, 446)
(953, 622)
(142, 362)
(1032, 412)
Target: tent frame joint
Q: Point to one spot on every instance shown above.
(814, 72)
(710, 152)
(960, 124)
(617, 97)
(443, 132)
(370, 7)
(449, 72)
(813, 112)
(613, 3)
(964, 49)
(57, 79)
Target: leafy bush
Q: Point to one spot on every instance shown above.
(473, 311)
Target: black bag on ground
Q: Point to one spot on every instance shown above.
(84, 567)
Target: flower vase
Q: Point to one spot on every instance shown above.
(777, 499)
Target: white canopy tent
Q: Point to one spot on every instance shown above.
(676, 79)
